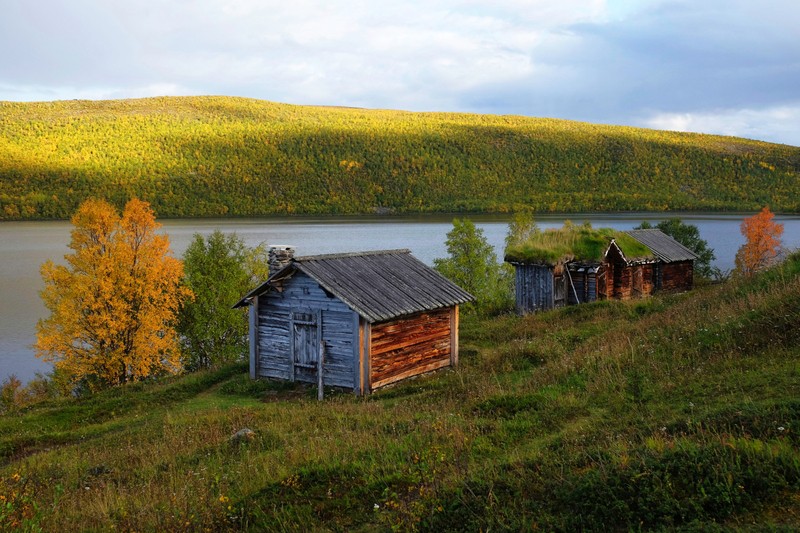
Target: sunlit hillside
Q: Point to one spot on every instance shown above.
(222, 156)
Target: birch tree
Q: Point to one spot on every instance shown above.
(113, 306)
(763, 243)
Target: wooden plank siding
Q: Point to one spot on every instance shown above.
(363, 355)
(301, 294)
(644, 280)
(627, 281)
(534, 287)
(409, 346)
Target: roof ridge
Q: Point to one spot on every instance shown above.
(644, 229)
(350, 254)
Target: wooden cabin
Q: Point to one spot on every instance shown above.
(635, 264)
(669, 269)
(374, 317)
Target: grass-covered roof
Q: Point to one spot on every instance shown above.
(574, 243)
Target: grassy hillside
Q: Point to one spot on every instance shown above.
(219, 156)
(680, 411)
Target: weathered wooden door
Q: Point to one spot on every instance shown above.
(560, 289)
(638, 282)
(305, 340)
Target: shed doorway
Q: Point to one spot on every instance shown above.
(305, 340)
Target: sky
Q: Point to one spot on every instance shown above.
(728, 67)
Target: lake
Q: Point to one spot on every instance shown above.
(24, 246)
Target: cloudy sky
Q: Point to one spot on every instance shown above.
(715, 66)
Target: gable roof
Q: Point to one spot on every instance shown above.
(627, 254)
(662, 245)
(378, 285)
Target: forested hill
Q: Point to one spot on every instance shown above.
(222, 156)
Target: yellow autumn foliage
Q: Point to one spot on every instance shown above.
(114, 304)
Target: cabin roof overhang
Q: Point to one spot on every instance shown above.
(379, 286)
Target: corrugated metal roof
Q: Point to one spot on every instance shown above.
(378, 285)
(662, 245)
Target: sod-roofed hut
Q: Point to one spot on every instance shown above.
(669, 266)
(578, 264)
(374, 318)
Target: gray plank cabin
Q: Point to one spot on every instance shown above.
(579, 264)
(375, 317)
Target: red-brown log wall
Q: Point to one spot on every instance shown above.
(633, 281)
(409, 346)
(677, 276)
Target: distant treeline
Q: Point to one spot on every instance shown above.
(222, 156)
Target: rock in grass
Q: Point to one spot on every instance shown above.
(99, 470)
(242, 436)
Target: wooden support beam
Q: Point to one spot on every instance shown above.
(571, 284)
(253, 311)
(366, 334)
(454, 336)
(320, 366)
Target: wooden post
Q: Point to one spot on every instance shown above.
(320, 364)
(253, 336)
(454, 336)
(367, 356)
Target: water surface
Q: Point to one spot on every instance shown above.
(24, 246)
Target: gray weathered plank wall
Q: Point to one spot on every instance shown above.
(534, 288)
(338, 331)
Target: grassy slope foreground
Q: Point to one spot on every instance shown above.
(221, 156)
(680, 411)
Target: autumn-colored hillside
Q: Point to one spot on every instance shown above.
(223, 156)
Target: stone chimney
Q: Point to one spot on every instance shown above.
(280, 255)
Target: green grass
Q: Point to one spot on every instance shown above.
(581, 243)
(222, 156)
(676, 412)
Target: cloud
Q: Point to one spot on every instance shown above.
(50, 92)
(352, 53)
(777, 124)
(610, 61)
(663, 59)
